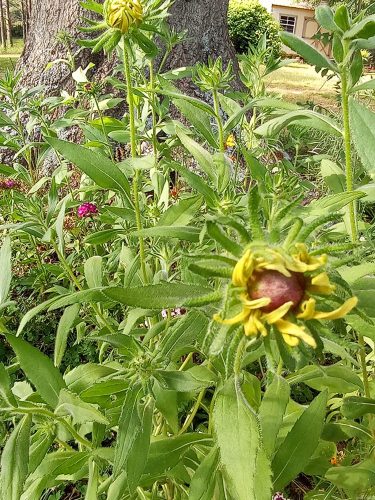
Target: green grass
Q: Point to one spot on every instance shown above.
(10, 56)
(300, 83)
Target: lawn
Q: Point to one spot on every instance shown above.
(10, 56)
(300, 83)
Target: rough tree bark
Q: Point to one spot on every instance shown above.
(204, 20)
(8, 22)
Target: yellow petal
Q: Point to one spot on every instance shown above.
(256, 303)
(288, 339)
(278, 313)
(295, 330)
(340, 312)
(321, 284)
(239, 318)
(307, 309)
(243, 270)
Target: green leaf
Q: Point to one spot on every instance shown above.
(272, 410)
(364, 289)
(194, 379)
(41, 443)
(198, 184)
(298, 446)
(6, 270)
(333, 176)
(5, 391)
(353, 478)
(216, 233)
(71, 465)
(101, 237)
(185, 233)
(319, 462)
(182, 213)
(362, 122)
(342, 18)
(355, 406)
(369, 85)
(201, 155)
(363, 29)
(324, 16)
(145, 44)
(100, 169)
(305, 50)
(161, 296)
(202, 486)
(80, 411)
(335, 378)
(237, 433)
(65, 324)
(165, 454)
(189, 330)
(343, 430)
(304, 118)
(94, 271)
(84, 376)
(133, 441)
(39, 369)
(15, 460)
(199, 119)
(332, 203)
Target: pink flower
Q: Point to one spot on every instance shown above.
(87, 209)
(279, 496)
(8, 184)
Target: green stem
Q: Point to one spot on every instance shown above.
(348, 154)
(101, 118)
(240, 355)
(78, 285)
(362, 356)
(215, 96)
(153, 105)
(193, 412)
(133, 146)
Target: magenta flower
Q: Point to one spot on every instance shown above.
(87, 209)
(279, 496)
(8, 184)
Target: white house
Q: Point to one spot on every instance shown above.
(296, 17)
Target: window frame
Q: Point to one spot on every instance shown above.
(288, 16)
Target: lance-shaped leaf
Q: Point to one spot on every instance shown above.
(39, 369)
(15, 460)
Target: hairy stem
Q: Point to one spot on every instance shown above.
(133, 146)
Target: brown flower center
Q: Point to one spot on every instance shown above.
(279, 288)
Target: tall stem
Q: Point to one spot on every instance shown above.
(133, 146)
(348, 155)
(218, 119)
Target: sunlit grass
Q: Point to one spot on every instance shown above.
(10, 56)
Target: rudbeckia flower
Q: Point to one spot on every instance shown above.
(122, 14)
(278, 288)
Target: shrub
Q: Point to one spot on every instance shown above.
(248, 21)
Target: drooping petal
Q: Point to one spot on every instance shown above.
(340, 312)
(278, 313)
(292, 341)
(294, 330)
(307, 309)
(243, 270)
(256, 303)
(320, 284)
(239, 318)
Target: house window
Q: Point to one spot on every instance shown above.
(288, 23)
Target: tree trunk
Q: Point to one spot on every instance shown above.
(207, 31)
(204, 20)
(26, 11)
(2, 26)
(8, 23)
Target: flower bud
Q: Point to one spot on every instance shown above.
(122, 14)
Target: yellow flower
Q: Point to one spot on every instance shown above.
(276, 291)
(230, 142)
(122, 14)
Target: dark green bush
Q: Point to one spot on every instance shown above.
(247, 21)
